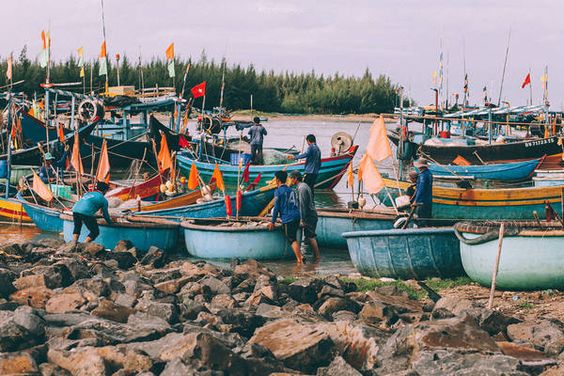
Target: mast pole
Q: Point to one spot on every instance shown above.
(104, 36)
(504, 68)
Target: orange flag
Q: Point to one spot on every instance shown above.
(368, 173)
(461, 161)
(170, 52)
(76, 161)
(218, 178)
(378, 144)
(165, 161)
(193, 178)
(103, 170)
(61, 133)
(41, 188)
(350, 176)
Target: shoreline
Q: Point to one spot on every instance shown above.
(246, 115)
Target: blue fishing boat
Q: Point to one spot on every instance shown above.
(142, 233)
(331, 171)
(44, 217)
(332, 223)
(416, 253)
(245, 238)
(532, 255)
(513, 171)
(252, 204)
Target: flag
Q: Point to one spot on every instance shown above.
(350, 176)
(193, 177)
(61, 133)
(435, 75)
(246, 173)
(44, 54)
(170, 52)
(378, 144)
(218, 178)
(526, 81)
(255, 182)
(41, 188)
(183, 142)
(199, 90)
(369, 175)
(103, 70)
(10, 63)
(170, 58)
(461, 161)
(103, 170)
(80, 53)
(165, 161)
(76, 161)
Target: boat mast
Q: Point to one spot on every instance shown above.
(504, 68)
(104, 36)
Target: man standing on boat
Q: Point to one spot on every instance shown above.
(312, 157)
(257, 133)
(423, 201)
(47, 172)
(308, 213)
(84, 211)
(286, 206)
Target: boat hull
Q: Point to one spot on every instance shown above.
(13, 211)
(406, 253)
(141, 235)
(235, 242)
(514, 171)
(46, 219)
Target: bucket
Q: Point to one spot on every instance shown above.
(245, 157)
(3, 168)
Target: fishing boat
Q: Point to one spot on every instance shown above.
(12, 210)
(548, 178)
(245, 238)
(415, 253)
(189, 198)
(143, 190)
(252, 204)
(46, 218)
(513, 171)
(458, 204)
(141, 232)
(333, 222)
(330, 173)
(532, 255)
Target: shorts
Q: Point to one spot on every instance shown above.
(291, 230)
(90, 223)
(309, 228)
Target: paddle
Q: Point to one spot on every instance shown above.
(496, 265)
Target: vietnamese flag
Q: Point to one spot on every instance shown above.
(199, 90)
(526, 81)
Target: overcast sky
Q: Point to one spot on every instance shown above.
(400, 38)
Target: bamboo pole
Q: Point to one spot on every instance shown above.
(496, 264)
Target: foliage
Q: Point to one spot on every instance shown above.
(288, 92)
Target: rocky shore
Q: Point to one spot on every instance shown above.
(92, 312)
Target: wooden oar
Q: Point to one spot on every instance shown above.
(496, 264)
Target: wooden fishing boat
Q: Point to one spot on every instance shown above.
(513, 171)
(189, 198)
(333, 222)
(245, 238)
(331, 171)
(252, 204)
(143, 190)
(532, 256)
(416, 253)
(142, 233)
(12, 210)
(46, 218)
(458, 204)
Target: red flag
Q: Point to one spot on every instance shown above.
(183, 142)
(527, 81)
(239, 201)
(246, 172)
(255, 182)
(199, 90)
(228, 207)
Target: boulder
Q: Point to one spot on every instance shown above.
(123, 246)
(338, 367)
(125, 260)
(17, 364)
(222, 301)
(36, 297)
(20, 329)
(335, 304)
(112, 311)
(77, 268)
(241, 322)
(215, 285)
(94, 250)
(65, 302)
(6, 286)
(155, 257)
(177, 367)
(299, 346)
(172, 286)
(453, 304)
(376, 312)
(305, 290)
(55, 276)
(544, 335)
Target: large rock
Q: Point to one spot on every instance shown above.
(36, 297)
(155, 257)
(112, 311)
(215, 285)
(20, 329)
(55, 276)
(376, 312)
(544, 335)
(65, 302)
(177, 367)
(6, 286)
(299, 346)
(17, 364)
(338, 367)
(305, 290)
(335, 304)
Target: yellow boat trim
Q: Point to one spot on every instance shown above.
(494, 203)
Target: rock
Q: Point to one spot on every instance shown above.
(95, 250)
(77, 268)
(328, 290)
(166, 311)
(17, 364)
(172, 286)
(48, 369)
(125, 260)
(91, 288)
(344, 316)
(112, 311)
(123, 246)
(177, 367)
(334, 304)
(453, 304)
(544, 335)
(125, 300)
(270, 311)
(20, 329)
(55, 276)
(495, 322)
(65, 302)
(155, 257)
(252, 268)
(6, 286)
(305, 290)
(532, 360)
(35, 297)
(243, 323)
(146, 328)
(33, 280)
(222, 301)
(375, 312)
(215, 285)
(189, 309)
(338, 367)
(299, 346)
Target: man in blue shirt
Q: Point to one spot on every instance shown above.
(423, 200)
(312, 157)
(257, 133)
(84, 211)
(286, 206)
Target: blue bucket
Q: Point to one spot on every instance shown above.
(245, 157)
(3, 169)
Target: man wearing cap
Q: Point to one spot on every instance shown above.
(423, 200)
(84, 211)
(47, 172)
(257, 133)
(308, 213)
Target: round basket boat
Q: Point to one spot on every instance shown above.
(532, 255)
(248, 237)
(140, 231)
(417, 253)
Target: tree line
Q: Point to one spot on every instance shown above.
(287, 92)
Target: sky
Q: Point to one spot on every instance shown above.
(400, 38)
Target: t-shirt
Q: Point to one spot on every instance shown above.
(312, 157)
(257, 133)
(285, 205)
(424, 188)
(307, 205)
(90, 203)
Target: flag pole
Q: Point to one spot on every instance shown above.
(106, 45)
(530, 89)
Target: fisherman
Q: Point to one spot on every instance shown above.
(312, 157)
(84, 211)
(308, 213)
(47, 172)
(257, 133)
(423, 201)
(286, 206)
(412, 179)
